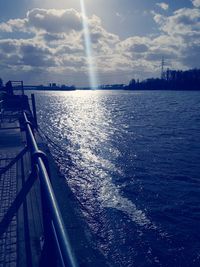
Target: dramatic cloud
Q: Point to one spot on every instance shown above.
(51, 21)
(163, 5)
(183, 21)
(48, 45)
(55, 21)
(182, 29)
(36, 55)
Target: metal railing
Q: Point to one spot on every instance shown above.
(56, 249)
(52, 220)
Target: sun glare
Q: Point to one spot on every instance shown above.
(88, 48)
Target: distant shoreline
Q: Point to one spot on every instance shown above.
(116, 90)
(171, 80)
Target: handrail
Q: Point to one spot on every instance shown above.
(58, 228)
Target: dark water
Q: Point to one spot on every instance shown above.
(132, 160)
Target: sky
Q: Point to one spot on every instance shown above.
(43, 41)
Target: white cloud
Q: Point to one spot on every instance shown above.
(196, 3)
(13, 25)
(163, 5)
(135, 45)
(181, 36)
(55, 21)
(183, 21)
(47, 20)
(52, 47)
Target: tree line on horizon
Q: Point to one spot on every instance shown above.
(170, 80)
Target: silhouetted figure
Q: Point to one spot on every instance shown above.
(9, 88)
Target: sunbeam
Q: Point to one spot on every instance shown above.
(88, 49)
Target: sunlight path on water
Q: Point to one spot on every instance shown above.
(88, 48)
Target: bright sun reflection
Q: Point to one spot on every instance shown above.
(88, 48)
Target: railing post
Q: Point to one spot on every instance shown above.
(34, 110)
(22, 84)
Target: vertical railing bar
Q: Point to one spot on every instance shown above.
(22, 84)
(34, 110)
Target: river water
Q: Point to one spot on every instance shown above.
(132, 161)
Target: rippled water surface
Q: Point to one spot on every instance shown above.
(132, 160)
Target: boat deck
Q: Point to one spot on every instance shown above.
(15, 239)
(8, 190)
(10, 145)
